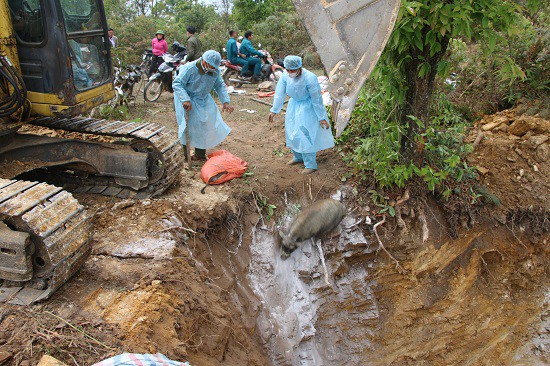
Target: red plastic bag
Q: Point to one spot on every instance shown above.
(222, 166)
(266, 94)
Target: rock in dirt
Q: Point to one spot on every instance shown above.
(4, 356)
(527, 123)
(50, 361)
(537, 140)
(500, 217)
(494, 122)
(482, 170)
(542, 153)
(123, 204)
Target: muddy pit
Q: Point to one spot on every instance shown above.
(199, 277)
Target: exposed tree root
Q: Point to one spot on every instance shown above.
(425, 229)
(400, 201)
(397, 265)
(322, 256)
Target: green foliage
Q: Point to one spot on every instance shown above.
(135, 24)
(377, 150)
(424, 28)
(250, 12)
(119, 113)
(274, 22)
(279, 152)
(284, 34)
(135, 37)
(518, 67)
(264, 205)
(382, 202)
(215, 36)
(200, 16)
(392, 120)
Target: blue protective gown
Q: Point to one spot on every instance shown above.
(206, 126)
(305, 110)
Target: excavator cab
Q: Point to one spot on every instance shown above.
(64, 54)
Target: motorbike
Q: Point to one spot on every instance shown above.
(146, 60)
(271, 71)
(162, 79)
(126, 77)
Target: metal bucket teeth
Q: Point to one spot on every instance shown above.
(349, 36)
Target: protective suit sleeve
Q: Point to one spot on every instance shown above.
(221, 90)
(314, 90)
(280, 95)
(179, 86)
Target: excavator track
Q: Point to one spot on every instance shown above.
(56, 231)
(165, 151)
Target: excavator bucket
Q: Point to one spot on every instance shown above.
(349, 36)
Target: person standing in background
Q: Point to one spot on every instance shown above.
(160, 47)
(306, 123)
(112, 38)
(194, 45)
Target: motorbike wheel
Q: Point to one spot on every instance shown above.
(231, 74)
(153, 90)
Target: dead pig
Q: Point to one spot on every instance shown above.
(321, 217)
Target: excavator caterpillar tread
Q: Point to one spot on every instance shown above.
(59, 229)
(162, 144)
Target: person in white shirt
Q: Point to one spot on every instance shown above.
(112, 38)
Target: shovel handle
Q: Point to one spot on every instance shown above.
(187, 140)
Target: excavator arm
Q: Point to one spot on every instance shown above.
(350, 36)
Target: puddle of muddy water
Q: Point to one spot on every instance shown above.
(305, 321)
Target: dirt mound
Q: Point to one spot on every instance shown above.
(512, 155)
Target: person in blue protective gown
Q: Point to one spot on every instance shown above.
(306, 124)
(192, 89)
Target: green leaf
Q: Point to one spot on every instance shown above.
(418, 43)
(492, 42)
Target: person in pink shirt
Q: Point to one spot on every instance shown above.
(160, 47)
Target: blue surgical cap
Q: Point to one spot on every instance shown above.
(213, 58)
(292, 62)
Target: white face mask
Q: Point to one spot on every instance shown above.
(293, 75)
(207, 69)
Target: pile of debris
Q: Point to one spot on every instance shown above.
(512, 154)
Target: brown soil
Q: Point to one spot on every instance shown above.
(169, 274)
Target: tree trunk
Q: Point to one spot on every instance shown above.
(417, 100)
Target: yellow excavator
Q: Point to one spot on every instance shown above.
(55, 65)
